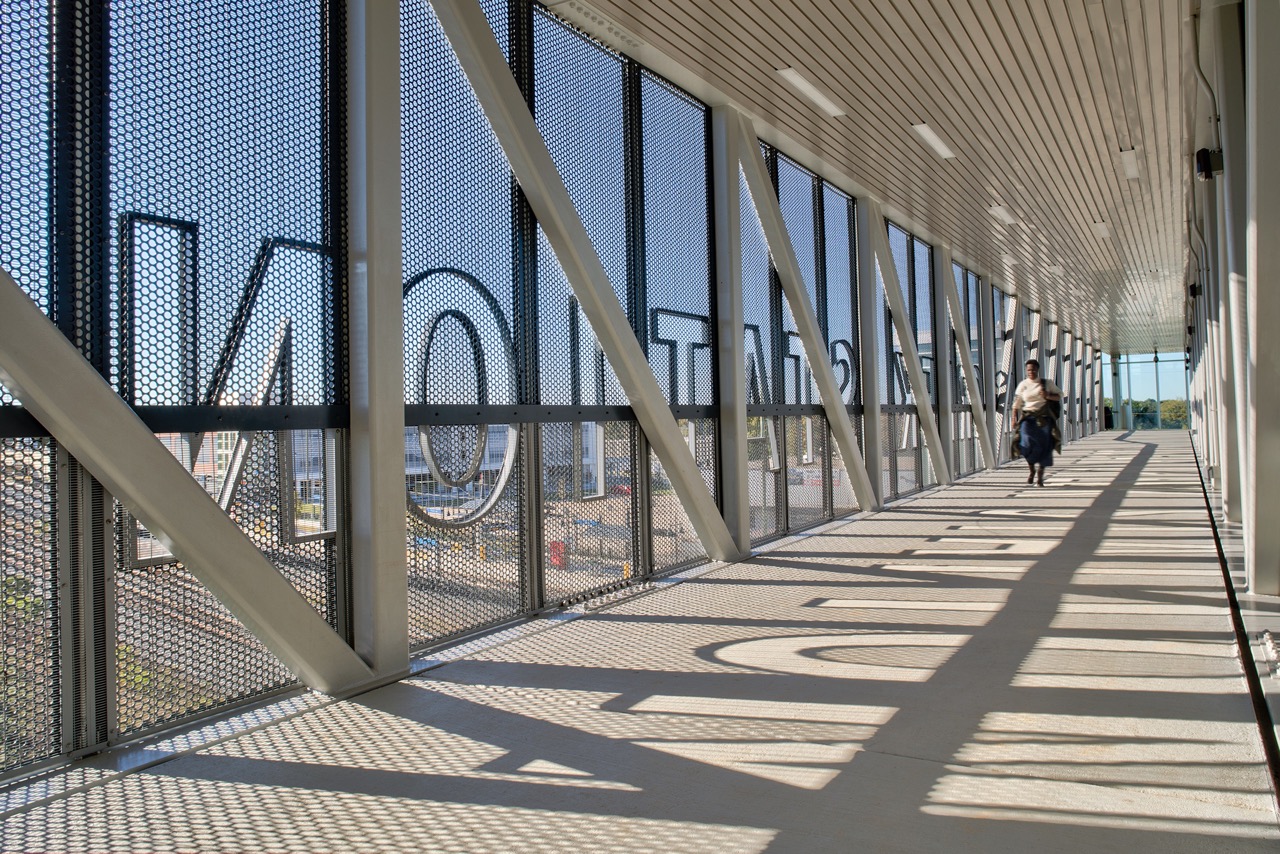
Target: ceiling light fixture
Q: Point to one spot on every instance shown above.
(1003, 214)
(1055, 269)
(813, 93)
(1008, 259)
(1129, 163)
(1102, 230)
(934, 141)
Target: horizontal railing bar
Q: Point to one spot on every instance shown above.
(783, 409)
(16, 422)
(427, 414)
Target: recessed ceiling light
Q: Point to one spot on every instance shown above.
(934, 141)
(1129, 163)
(1003, 214)
(1102, 230)
(813, 93)
(1008, 259)
(1055, 269)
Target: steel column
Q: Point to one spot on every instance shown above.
(1230, 86)
(1233, 500)
(1010, 337)
(731, 374)
(380, 605)
(1262, 140)
(986, 357)
(869, 355)
(944, 347)
(79, 303)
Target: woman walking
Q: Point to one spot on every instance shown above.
(1035, 420)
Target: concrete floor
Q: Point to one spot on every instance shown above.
(991, 667)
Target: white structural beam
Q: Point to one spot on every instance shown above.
(73, 402)
(482, 61)
(966, 359)
(735, 497)
(907, 337)
(986, 353)
(1088, 416)
(1008, 349)
(944, 355)
(1010, 359)
(380, 606)
(1262, 137)
(815, 349)
(872, 367)
(1117, 398)
(1083, 394)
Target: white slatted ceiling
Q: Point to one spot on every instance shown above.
(1036, 97)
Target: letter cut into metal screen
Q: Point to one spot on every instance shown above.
(228, 279)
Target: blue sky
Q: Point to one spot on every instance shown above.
(1172, 368)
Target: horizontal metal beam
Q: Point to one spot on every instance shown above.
(426, 413)
(784, 410)
(16, 421)
(57, 385)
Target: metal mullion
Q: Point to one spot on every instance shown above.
(713, 301)
(524, 262)
(855, 325)
(912, 318)
(78, 301)
(334, 176)
(891, 365)
(820, 309)
(946, 360)
(335, 215)
(637, 300)
(777, 366)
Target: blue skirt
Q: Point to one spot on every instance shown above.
(1036, 440)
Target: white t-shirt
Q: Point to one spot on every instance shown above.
(1032, 396)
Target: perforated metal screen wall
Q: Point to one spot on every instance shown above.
(173, 197)
(30, 623)
(491, 321)
(194, 260)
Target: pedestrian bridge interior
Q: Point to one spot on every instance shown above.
(474, 425)
(989, 667)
